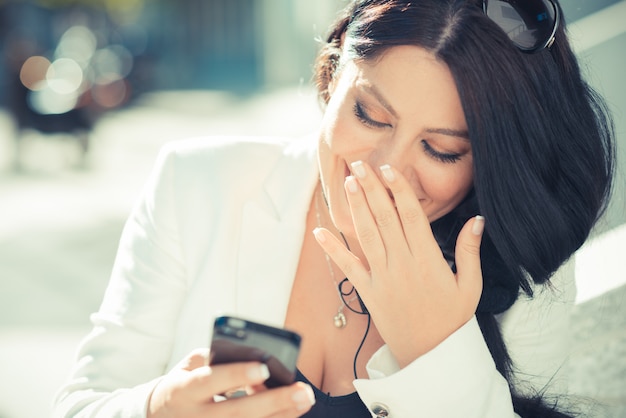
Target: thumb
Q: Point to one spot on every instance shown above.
(467, 254)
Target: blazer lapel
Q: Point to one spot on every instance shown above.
(272, 231)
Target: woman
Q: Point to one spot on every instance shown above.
(455, 170)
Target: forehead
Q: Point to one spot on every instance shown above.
(412, 81)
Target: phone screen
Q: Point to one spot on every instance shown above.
(236, 339)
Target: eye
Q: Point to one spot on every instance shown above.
(365, 119)
(443, 157)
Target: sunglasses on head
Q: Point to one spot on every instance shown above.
(529, 24)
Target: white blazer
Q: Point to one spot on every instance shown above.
(218, 229)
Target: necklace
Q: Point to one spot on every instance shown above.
(339, 320)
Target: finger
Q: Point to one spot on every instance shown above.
(287, 401)
(381, 207)
(205, 382)
(197, 358)
(407, 204)
(414, 221)
(467, 255)
(349, 264)
(257, 388)
(364, 224)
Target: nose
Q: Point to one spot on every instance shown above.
(400, 158)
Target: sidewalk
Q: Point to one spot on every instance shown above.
(59, 232)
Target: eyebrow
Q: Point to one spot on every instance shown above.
(449, 132)
(374, 92)
(442, 131)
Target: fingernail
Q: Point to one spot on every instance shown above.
(387, 172)
(258, 372)
(479, 225)
(304, 398)
(351, 184)
(319, 234)
(358, 169)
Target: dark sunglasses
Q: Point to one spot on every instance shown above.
(529, 24)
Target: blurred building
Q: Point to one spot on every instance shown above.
(63, 63)
(235, 44)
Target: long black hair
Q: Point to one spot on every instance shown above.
(542, 144)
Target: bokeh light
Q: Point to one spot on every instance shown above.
(111, 94)
(64, 76)
(112, 63)
(33, 72)
(47, 101)
(77, 43)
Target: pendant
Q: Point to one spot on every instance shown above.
(340, 318)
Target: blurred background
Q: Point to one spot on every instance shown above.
(89, 92)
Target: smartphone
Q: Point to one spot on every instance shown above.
(236, 339)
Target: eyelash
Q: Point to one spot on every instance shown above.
(449, 158)
(365, 119)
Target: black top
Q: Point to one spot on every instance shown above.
(326, 406)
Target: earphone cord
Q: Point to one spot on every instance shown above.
(358, 350)
(364, 311)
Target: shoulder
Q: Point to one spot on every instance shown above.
(212, 153)
(213, 147)
(536, 331)
(228, 164)
(557, 295)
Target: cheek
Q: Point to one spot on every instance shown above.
(332, 124)
(333, 132)
(347, 138)
(446, 187)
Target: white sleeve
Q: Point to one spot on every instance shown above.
(458, 378)
(120, 361)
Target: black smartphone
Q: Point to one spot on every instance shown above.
(235, 339)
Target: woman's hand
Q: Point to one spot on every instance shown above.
(415, 299)
(189, 389)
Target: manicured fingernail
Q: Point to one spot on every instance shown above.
(304, 398)
(387, 172)
(479, 225)
(358, 169)
(351, 184)
(259, 372)
(319, 234)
